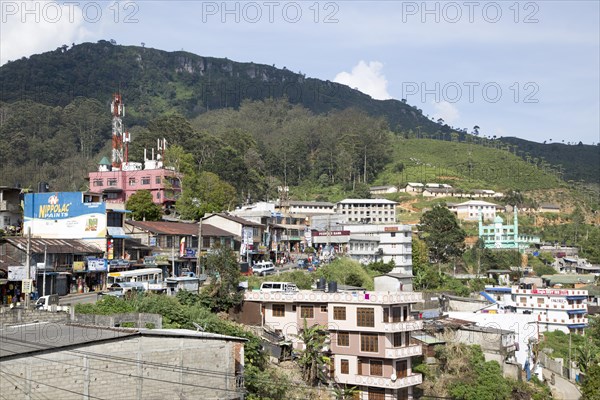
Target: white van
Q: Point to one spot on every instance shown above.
(278, 287)
(263, 268)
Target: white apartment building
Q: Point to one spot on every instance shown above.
(369, 332)
(556, 309)
(308, 207)
(395, 243)
(373, 211)
(470, 210)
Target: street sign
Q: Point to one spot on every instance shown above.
(27, 285)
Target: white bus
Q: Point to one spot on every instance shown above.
(150, 278)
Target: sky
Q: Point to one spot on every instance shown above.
(529, 69)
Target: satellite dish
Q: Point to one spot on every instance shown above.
(393, 377)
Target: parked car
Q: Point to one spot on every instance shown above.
(263, 268)
(303, 263)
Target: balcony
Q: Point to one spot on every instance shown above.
(378, 381)
(402, 352)
(406, 326)
(9, 207)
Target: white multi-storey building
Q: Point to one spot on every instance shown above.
(556, 309)
(370, 334)
(374, 211)
(395, 243)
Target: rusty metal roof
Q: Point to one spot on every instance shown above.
(179, 228)
(54, 246)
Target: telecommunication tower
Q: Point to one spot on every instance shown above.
(118, 111)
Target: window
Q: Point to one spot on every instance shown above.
(397, 314)
(344, 367)
(369, 342)
(541, 301)
(523, 300)
(157, 180)
(339, 313)
(365, 317)
(307, 312)
(343, 339)
(376, 368)
(360, 367)
(145, 180)
(98, 182)
(324, 308)
(279, 310)
(397, 339)
(403, 394)
(112, 182)
(386, 315)
(376, 393)
(131, 181)
(114, 219)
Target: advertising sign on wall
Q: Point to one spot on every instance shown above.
(64, 215)
(97, 264)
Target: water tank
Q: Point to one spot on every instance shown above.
(332, 287)
(321, 284)
(43, 187)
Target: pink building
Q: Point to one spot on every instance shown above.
(118, 185)
(370, 345)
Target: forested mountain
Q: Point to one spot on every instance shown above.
(155, 81)
(237, 129)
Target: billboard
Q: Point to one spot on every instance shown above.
(64, 215)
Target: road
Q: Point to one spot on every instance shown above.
(83, 298)
(562, 388)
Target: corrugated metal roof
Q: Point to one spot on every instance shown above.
(54, 246)
(179, 228)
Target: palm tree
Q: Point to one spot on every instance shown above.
(312, 360)
(343, 392)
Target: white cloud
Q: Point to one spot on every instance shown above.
(446, 111)
(35, 27)
(367, 78)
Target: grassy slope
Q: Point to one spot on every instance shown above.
(464, 166)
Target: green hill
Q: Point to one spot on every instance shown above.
(465, 166)
(155, 81)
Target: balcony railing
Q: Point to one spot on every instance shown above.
(401, 352)
(406, 326)
(378, 381)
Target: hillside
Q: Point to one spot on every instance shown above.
(155, 81)
(575, 161)
(324, 140)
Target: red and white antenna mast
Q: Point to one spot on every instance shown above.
(118, 111)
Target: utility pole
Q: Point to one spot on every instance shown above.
(28, 266)
(199, 253)
(45, 266)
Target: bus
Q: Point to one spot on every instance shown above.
(150, 278)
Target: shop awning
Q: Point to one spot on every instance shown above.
(577, 326)
(117, 232)
(576, 311)
(576, 297)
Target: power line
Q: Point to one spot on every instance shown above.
(52, 386)
(22, 390)
(131, 375)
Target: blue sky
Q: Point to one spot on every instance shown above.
(528, 69)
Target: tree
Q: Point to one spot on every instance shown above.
(312, 361)
(587, 355)
(222, 292)
(142, 207)
(590, 389)
(441, 232)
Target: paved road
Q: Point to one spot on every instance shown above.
(78, 299)
(562, 388)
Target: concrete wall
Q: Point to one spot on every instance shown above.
(134, 375)
(139, 320)
(11, 316)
